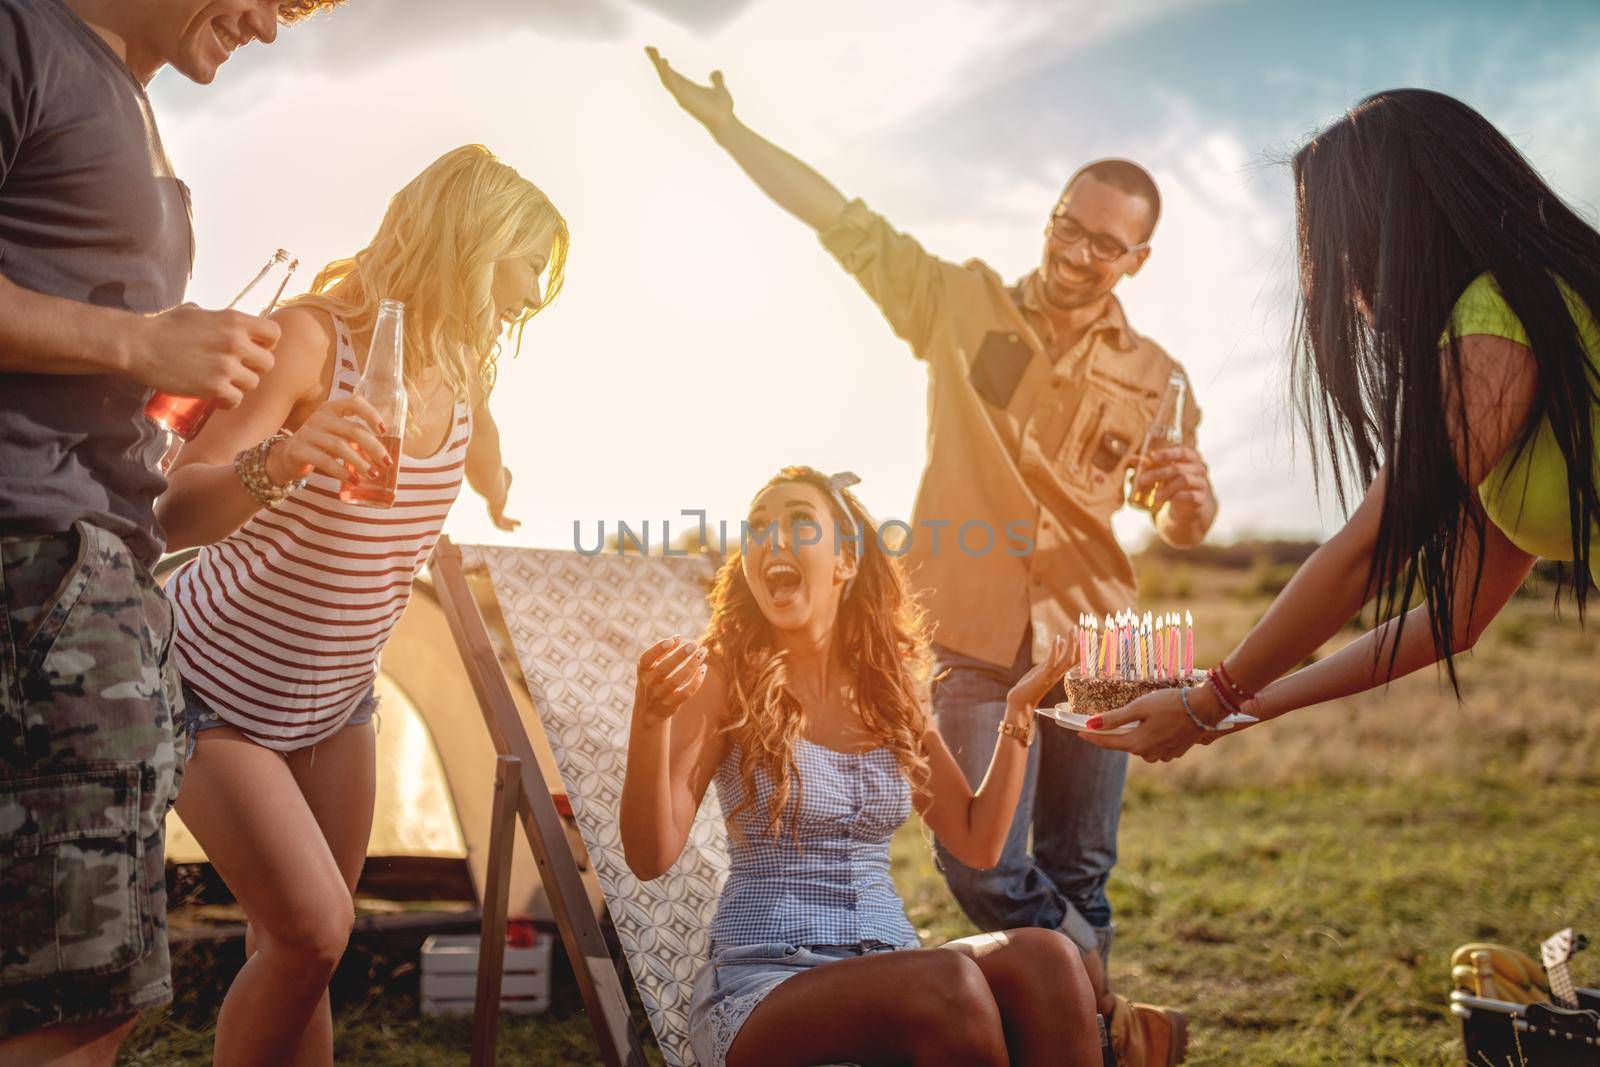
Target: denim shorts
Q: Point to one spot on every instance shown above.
(198, 715)
(739, 977)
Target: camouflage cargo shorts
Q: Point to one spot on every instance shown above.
(90, 760)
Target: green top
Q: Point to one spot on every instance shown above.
(1526, 495)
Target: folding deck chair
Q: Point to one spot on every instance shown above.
(577, 624)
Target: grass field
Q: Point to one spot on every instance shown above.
(1297, 888)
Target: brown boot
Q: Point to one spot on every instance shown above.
(1146, 1036)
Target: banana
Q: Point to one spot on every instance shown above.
(1517, 977)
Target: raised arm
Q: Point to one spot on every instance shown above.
(972, 824)
(797, 188)
(910, 286)
(674, 745)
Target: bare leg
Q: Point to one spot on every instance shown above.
(1043, 992)
(244, 806)
(338, 778)
(90, 1044)
(929, 1008)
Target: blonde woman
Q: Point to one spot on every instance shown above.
(281, 620)
(806, 702)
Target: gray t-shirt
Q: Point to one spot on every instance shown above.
(91, 211)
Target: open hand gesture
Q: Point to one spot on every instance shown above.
(1031, 687)
(670, 672)
(711, 104)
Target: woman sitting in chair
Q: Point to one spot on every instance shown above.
(806, 701)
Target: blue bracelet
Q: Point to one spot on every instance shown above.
(1183, 695)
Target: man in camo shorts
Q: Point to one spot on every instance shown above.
(95, 252)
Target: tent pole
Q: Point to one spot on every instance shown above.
(592, 964)
(496, 898)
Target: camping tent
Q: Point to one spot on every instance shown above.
(430, 830)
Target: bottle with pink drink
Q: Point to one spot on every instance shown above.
(185, 416)
(383, 386)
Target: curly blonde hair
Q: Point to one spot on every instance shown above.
(884, 637)
(290, 11)
(436, 251)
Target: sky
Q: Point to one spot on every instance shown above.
(704, 339)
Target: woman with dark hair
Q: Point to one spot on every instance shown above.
(1447, 356)
(806, 701)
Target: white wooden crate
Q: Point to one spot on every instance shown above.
(450, 975)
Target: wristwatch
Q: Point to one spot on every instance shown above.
(1023, 733)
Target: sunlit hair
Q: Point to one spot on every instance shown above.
(297, 10)
(883, 635)
(436, 251)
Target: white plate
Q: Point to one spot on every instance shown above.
(1072, 720)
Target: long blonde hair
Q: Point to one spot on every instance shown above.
(436, 250)
(884, 638)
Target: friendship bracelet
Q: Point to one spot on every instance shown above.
(250, 465)
(1222, 697)
(1240, 694)
(1183, 695)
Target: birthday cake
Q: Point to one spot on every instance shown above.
(1127, 657)
(1096, 696)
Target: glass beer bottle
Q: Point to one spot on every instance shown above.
(1165, 432)
(383, 386)
(186, 415)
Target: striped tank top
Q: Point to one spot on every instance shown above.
(280, 625)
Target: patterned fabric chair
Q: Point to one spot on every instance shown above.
(577, 624)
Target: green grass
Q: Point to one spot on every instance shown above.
(1297, 889)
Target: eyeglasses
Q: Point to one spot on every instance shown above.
(1067, 230)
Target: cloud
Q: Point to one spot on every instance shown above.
(362, 33)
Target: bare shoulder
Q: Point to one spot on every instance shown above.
(306, 345)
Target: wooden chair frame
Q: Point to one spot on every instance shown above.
(521, 792)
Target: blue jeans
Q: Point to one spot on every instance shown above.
(1071, 801)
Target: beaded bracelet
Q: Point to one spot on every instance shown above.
(1227, 703)
(251, 467)
(1183, 695)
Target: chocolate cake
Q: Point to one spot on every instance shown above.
(1096, 696)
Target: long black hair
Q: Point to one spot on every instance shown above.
(1400, 205)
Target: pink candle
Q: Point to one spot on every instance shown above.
(1172, 644)
(1188, 642)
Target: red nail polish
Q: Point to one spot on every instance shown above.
(1094, 723)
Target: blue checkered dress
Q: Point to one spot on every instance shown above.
(834, 888)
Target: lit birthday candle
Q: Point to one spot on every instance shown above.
(1160, 647)
(1128, 642)
(1105, 648)
(1188, 643)
(1146, 652)
(1174, 663)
